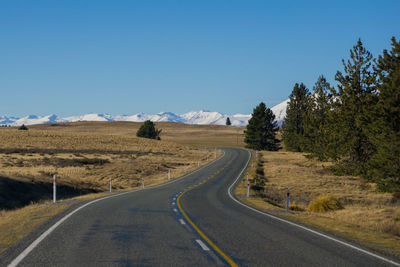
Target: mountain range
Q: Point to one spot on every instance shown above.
(193, 117)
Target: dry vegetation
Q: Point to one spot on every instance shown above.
(364, 214)
(184, 134)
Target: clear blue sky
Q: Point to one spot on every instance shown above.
(123, 57)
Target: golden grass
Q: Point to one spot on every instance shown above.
(34, 154)
(368, 216)
(184, 134)
(16, 224)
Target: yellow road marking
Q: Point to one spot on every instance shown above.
(217, 249)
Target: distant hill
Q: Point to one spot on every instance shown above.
(202, 117)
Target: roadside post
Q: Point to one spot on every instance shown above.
(248, 189)
(255, 181)
(54, 189)
(215, 155)
(110, 184)
(143, 183)
(169, 175)
(287, 200)
(198, 164)
(247, 178)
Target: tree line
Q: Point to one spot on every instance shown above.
(356, 123)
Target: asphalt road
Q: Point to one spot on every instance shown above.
(147, 228)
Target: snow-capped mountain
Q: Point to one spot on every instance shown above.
(280, 111)
(193, 117)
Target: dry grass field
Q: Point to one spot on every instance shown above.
(368, 216)
(84, 155)
(184, 134)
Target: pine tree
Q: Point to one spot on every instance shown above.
(261, 130)
(293, 124)
(147, 130)
(228, 121)
(384, 131)
(316, 126)
(355, 95)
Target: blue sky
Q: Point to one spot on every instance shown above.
(124, 57)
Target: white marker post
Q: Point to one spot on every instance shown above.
(169, 175)
(255, 180)
(110, 184)
(248, 190)
(198, 164)
(54, 189)
(247, 178)
(215, 155)
(287, 200)
(143, 183)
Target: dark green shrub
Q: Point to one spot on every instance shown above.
(147, 130)
(23, 127)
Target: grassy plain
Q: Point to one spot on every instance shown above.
(369, 217)
(84, 155)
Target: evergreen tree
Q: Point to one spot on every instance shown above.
(23, 127)
(293, 124)
(353, 99)
(384, 131)
(261, 130)
(316, 119)
(147, 130)
(228, 121)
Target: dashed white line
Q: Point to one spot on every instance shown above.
(182, 221)
(175, 210)
(202, 245)
(173, 203)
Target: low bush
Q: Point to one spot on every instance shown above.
(295, 207)
(23, 127)
(324, 203)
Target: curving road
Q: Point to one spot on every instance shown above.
(190, 222)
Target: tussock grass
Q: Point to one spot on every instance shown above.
(324, 203)
(16, 224)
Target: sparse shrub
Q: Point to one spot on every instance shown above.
(256, 187)
(324, 203)
(295, 207)
(396, 197)
(23, 127)
(260, 171)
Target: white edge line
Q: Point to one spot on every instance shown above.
(300, 226)
(37, 241)
(202, 245)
